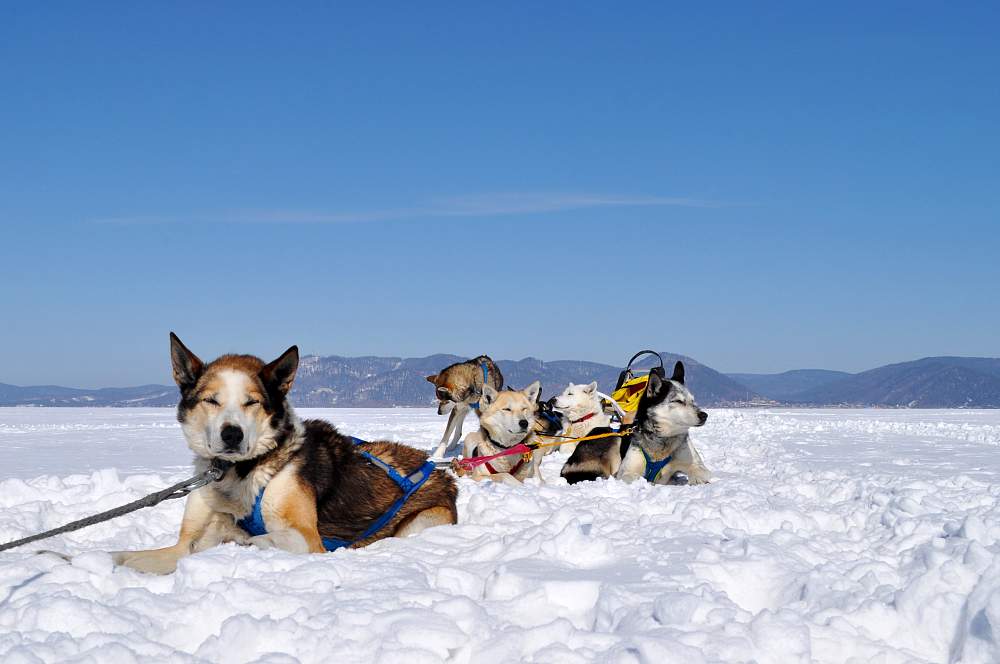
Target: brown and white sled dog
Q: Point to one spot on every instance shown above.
(315, 482)
(505, 419)
(582, 411)
(666, 412)
(458, 388)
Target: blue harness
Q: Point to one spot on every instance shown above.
(485, 378)
(653, 468)
(550, 417)
(253, 523)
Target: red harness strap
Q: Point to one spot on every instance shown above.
(494, 471)
(584, 418)
(474, 461)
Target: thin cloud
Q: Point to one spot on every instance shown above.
(483, 205)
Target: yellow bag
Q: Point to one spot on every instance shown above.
(630, 392)
(630, 387)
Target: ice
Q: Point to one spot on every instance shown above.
(826, 536)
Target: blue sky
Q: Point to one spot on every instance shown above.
(762, 186)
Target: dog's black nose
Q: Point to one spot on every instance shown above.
(702, 416)
(232, 436)
(524, 424)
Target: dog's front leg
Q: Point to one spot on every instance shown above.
(452, 431)
(222, 529)
(535, 469)
(197, 516)
(688, 461)
(289, 511)
(633, 466)
(461, 410)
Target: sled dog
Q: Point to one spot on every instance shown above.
(458, 388)
(582, 409)
(506, 418)
(308, 484)
(659, 445)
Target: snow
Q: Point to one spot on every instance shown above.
(826, 536)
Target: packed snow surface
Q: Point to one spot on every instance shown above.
(826, 536)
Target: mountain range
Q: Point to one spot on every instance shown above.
(931, 382)
(334, 381)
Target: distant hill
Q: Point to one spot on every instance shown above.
(388, 381)
(931, 382)
(379, 381)
(53, 395)
(789, 385)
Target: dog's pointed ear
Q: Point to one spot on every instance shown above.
(654, 385)
(280, 373)
(532, 391)
(489, 395)
(678, 372)
(187, 366)
(591, 388)
(432, 379)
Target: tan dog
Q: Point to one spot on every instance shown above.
(505, 419)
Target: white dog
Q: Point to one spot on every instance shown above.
(581, 407)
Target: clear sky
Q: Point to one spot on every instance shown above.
(762, 186)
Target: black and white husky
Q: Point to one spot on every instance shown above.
(659, 445)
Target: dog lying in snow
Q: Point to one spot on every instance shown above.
(506, 418)
(308, 487)
(582, 411)
(659, 446)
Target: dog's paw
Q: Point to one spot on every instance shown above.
(286, 540)
(221, 536)
(149, 562)
(458, 468)
(699, 478)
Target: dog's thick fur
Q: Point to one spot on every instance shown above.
(666, 412)
(315, 482)
(506, 418)
(582, 410)
(457, 387)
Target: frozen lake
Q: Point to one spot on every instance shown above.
(826, 536)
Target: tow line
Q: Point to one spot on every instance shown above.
(179, 490)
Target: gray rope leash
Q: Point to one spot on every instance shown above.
(179, 490)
